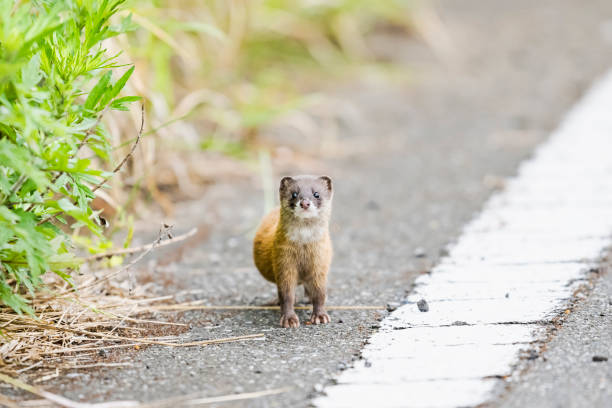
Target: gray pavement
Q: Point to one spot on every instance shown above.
(429, 155)
(572, 370)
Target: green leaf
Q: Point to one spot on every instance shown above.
(66, 205)
(13, 300)
(7, 131)
(119, 103)
(96, 93)
(49, 52)
(117, 87)
(30, 74)
(8, 215)
(21, 161)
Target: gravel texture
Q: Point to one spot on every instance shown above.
(575, 368)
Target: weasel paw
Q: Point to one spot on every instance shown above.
(319, 318)
(289, 320)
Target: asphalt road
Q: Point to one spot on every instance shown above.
(420, 160)
(574, 369)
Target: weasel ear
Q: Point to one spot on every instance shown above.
(327, 181)
(284, 183)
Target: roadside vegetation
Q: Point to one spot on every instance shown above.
(56, 84)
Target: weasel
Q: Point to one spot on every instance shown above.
(292, 245)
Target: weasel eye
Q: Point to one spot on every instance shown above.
(294, 194)
(315, 194)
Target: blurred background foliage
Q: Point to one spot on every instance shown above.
(216, 77)
(217, 73)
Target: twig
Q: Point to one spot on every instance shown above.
(246, 307)
(136, 342)
(185, 400)
(127, 251)
(76, 367)
(146, 321)
(193, 400)
(45, 300)
(122, 320)
(79, 350)
(147, 249)
(17, 184)
(59, 400)
(29, 367)
(128, 266)
(22, 179)
(125, 159)
(91, 130)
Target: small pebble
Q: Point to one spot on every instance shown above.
(214, 258)
(419, 252)
(599, 359)
(318, 388)
(391, 306)
(423, 306)
(373, 205)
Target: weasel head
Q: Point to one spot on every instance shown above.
(306, 197)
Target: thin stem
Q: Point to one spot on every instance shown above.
(125, 159)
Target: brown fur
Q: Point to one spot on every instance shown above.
(290, 262)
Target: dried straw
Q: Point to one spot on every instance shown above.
(192, 400)
(73, 325)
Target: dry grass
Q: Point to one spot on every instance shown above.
(74, 326)
(190, 400)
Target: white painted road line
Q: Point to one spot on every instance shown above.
(515, 266)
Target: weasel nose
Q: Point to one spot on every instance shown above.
(305, 204)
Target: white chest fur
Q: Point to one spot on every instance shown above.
(304, 234)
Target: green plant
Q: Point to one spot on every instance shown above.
(51, 53)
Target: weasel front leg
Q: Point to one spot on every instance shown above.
(316, 290)
(286, 282)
